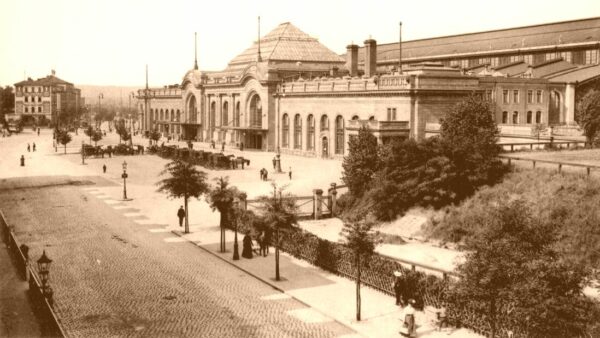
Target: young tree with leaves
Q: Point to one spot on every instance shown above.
(221, 197)
(279, 214)
(154, 136)
(96, 136)
(588, 115)
(360, 239)
(89, 131)
(185, 181)
(361, 162)
(64, 138)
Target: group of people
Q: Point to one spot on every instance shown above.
(264, 174)
(263, 241)
(29, 147)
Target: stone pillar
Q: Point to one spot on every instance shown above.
(352, 59)
(333, 199)
(570, 104)
(317, 200)
(370, 57)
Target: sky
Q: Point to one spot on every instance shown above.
(109, 42)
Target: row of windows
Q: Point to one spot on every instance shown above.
(164, 114)
(32, 98)
(515, 117)
(580, 57)
(255, 113)
(515, 96)
(33, 89)
(33, 109)
(310, 132)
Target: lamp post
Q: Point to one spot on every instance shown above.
(124, 176)
(236, 255)
(82, 153)
(43, 271)
(100, 96)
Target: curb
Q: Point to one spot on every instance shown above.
(267, 282)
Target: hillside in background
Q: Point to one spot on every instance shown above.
(113, 95)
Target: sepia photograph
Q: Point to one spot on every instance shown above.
(280, 168)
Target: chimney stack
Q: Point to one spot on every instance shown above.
(352, 59)
(370, 57)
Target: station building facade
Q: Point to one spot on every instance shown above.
(289, 93)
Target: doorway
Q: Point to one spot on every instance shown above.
(325, 144)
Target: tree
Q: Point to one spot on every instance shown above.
(588, 114)
(361, 162)
(537, 129)
(89, 131)
(360, 239)
(96, 136)
(513, 262)
(279, 214)
(184, 181)
(154, 136)
(64, 138)
(469, 134)
(221, 198)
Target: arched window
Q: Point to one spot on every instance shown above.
(515, 117)
(355, 117)
(151, 113)
(285, 131)
(192, 109)
(225, 115)
(236, 118)
(255, 111)
(538, 117)
(339, 135)
(529, 117)
(371, 118)
(172, 115)
(178, 115)
(324, 123)
(310, 133)
(162, 114)
(297, 132)
(505, 117)
(213, 108)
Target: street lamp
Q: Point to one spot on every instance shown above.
(124, 176)
(82, 153)
(43, 271)
(236, 255)
(100, 96)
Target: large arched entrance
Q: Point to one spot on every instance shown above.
(254, 135)
(190, 129)
(554, 108)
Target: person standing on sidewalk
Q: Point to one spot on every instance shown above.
(104, 168)
(290, 173)
(28, 147)
(22, 161)
(33, 146)
(274, 162)
(409, 327)
(181, 215)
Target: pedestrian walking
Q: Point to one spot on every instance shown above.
(28, 148)
(409, 328)
(262, 241)
(290, 173)
(247, 250)
(398, 286)
(262, 174)
(242, 146)
(38, 131)
(181, 215)
(274, 162)
(266, 175)
(104, 168)
(22, 161)
(33, 146)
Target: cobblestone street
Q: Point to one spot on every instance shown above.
(113, 277)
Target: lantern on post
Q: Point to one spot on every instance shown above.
(44, 270)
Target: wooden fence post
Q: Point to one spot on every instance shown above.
(317, 200)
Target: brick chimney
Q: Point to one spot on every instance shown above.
(352, 59)
(370, 57)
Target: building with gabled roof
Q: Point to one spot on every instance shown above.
(45, 100)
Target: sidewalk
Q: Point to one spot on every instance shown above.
(331, 295)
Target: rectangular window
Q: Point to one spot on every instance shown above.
(494, 62)
(391, 114)
(566, 56)
(538, 96)
(39, 99)
(27, 109)
(591, 56)
(515, 96)
(505, 96)
(530, 96)
(39, 109)
(528, 59)
(26, 98)
(488, 95)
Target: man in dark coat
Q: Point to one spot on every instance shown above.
(181, 215)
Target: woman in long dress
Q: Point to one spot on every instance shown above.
(409, 327)
(247, 250)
